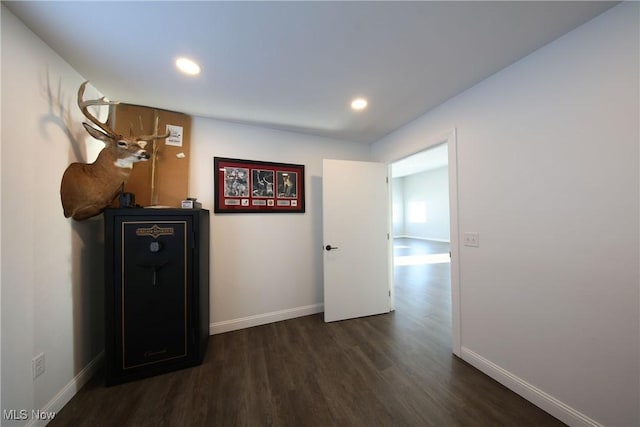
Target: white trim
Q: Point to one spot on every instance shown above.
(390, 249)
(454, 247)
(263, 319)
(450, 138)
(550, 404)
(67, 392)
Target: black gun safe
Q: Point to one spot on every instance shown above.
(157, 291)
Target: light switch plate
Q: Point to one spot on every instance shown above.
(471, 238)
(37, 365)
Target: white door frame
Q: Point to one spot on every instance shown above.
(452, 145)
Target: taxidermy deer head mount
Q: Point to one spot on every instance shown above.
(87, 189)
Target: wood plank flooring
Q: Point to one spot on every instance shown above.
(395, 369)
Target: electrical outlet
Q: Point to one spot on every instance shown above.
(37, 365)
(471, 239)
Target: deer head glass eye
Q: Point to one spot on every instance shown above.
(122, 144)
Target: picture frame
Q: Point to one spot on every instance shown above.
(253, 186)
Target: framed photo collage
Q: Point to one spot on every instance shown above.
(249, 186)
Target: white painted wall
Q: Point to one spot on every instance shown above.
(431, 188)
(264, 267)
(548, 161)
(52, 268)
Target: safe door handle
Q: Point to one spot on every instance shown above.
(155, 268)
(329, 247)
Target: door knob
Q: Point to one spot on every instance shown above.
(329, 247)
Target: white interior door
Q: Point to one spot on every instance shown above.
(355, 219)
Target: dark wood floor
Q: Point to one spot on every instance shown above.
(389, 370)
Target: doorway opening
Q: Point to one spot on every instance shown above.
(424, 224)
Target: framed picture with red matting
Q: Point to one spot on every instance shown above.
(252, 186)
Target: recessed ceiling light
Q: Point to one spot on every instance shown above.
(187, 66)
(359, 104)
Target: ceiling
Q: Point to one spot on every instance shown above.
(297, 65)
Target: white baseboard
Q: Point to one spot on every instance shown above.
(263, 319)
(550, 404)
(64, 396)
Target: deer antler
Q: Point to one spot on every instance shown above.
(155, 133)
(84, 108)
